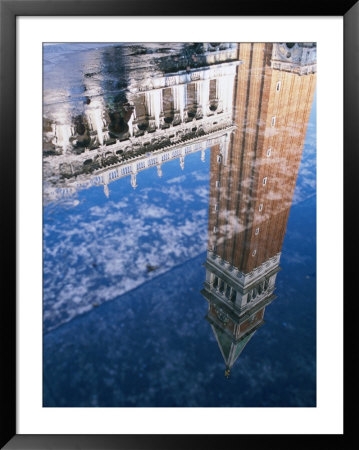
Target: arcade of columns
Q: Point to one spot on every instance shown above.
(180, 98)
(163, 108)
(154, 159)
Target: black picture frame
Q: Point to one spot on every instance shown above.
(9, 10)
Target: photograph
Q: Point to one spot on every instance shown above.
(179, 224)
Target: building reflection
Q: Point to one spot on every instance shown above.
(162, 114)
(251, 188)
(248, 103)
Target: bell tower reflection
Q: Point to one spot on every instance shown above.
(252, 181)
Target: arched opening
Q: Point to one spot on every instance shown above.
(228, 291)
(82, 133)
(191, 101)
(221, 286)
(168, 105)
(213, 97)
(117, 126)
(80, 128)
(142, 126)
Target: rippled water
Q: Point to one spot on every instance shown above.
(159, 263)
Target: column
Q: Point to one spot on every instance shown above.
(154, 104)
(133, 180)
(179, 94)
(224, 148)
(225, 82)
(209, 277)
(182, 162)
(130, 124)
(106, 180)
(198, 85)
(220, 93)
(204, 96)
(94, 114)
(226, 92)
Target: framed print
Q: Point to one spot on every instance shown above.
(172, 237)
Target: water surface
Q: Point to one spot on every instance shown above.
(129, 241)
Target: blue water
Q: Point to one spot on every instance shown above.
(97, 248)
(153, 347)
(124, 320)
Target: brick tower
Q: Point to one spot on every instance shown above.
(252, 181)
